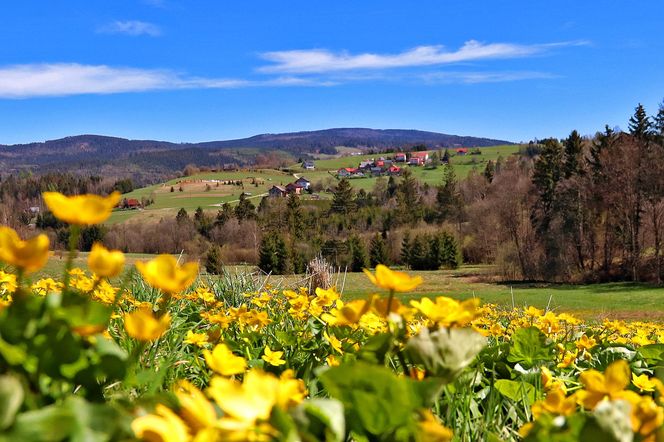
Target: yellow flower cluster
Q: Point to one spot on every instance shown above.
(246, 408)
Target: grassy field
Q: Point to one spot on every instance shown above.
(200, 190)
(621, 300)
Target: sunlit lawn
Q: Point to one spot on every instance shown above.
(620, 299)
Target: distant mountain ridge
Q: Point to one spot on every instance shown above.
(105, 154)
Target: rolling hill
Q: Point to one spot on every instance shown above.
(149, 160)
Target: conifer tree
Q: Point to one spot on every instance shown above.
(489, 171)
(267, 256)
(404, 254)
(244, 209)
(213, 262)
(182, 216)
(448, 199)
(378, 251)
(409, 205)
(294, 216)
(639, 124)
(342, 199)
(358, 254)
(573, 149)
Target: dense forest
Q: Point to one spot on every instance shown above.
(574, 209)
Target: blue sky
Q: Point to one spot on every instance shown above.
(183, 70)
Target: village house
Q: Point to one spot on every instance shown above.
(303, 182)
(293, 188)
(394, 170)
(277, 191)
(418, 158)
(346, 172)
(400, 157)
(308, 165)
(462, 151)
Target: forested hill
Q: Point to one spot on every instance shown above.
(312, 141)
(149, 159)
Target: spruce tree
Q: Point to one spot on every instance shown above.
(378, 251)
(342, 199)
(446, 157)
(640, 125)
(489, 171)
(659, 121)
(294, 216)
(213, 262)
(245, 209)
(409, 205)
(448, 198)
(419, 252)
(573, 149)
(267, 256)
(404, 254)
(548, 172)
(283, 257)
(182, 216)
(358, 254)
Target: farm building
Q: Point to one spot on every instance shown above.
(308, 165)
(293, 188)
(400, 157)
(303, 182)
(277, 191)
(462, 151)
(418, 158)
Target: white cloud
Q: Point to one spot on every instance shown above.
(131, 27)
(483, 77)
(61, 79)
(322, 60)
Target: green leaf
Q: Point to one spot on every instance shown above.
(11, 398)
(320, 420)
(518, 391)
(375, 348)
(375, 400)
(13, 354)
(653, 354)
(529, 345)
(48, 424)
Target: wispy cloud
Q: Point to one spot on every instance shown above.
(62, 79)
(483, 77)
(131, 27)
(322, 60)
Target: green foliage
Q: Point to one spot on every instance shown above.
(213, 262)
(378, 251)
(530, 346)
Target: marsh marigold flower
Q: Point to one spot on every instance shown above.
(273, 357)
(162, 426)
(195, 409)
(222, 360)
(164, 273)
(198, 339)
(393, 280)
(105, 263)
(29, 255)
(608, 385)
(141, 324)
(81, 210)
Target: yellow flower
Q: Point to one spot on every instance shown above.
(643, 383)
(8, 282)
(273, 357)
(647, 417)
(611, 384)
(30, 255)
(141, 324)
(448, 312)
(393, 280)
(326, 297)
(334, 342)
(431, 430)
(244, 404)
(195, 409)
(164, 273)
(585, 343)
(198, 339)
(105, 263)
(222, 360)
(82, 210)
(163, 426)
(291, 390)
(555, 403)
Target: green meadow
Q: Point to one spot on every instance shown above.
(196, 193)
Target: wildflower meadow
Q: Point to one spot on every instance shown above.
(163, 353)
